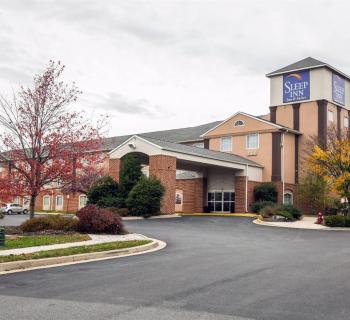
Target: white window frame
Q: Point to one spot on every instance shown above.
(330, 115)
(80, 197)
(258, 139)
(59, 206)
(239, 125)
(291, 196)
(49, 202)
(221, 144)
(346, 122)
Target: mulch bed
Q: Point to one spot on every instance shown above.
(16, 230)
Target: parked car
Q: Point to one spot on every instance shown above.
(10, 208)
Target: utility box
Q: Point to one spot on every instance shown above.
(2, 237)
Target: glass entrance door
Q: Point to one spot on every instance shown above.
(221, 201)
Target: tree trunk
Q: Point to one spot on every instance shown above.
(32, 206)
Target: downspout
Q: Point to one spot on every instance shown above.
(282, 155)
(246, 188)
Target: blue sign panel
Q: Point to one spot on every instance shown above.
(338, 89)
(296, 86)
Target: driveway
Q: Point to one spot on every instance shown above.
(213, 268)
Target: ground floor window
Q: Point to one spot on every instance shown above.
(221, 201)
(288, 198)
(59, 202)
(82, 201)
(46, 203)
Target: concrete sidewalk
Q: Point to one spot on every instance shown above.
(95, 239)
(304, 223)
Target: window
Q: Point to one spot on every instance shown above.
(239, 123)
(253, 141)
(221, 201)
(330, 116)
(346, 122)
(82, 201)
(288, 198)
(59, 201)
(17, 200)
(226, 144)
(46, 200)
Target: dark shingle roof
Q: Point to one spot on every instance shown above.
(201, 152)
(172, 135)
(307, 63)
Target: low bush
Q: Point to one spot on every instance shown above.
(145, 197)
(286, 214)
(108, 202)
(49, 223)
(258, 205)
(265, 192)
(93, 219)
(1, 215)
(337, 221)
(289, 212)
(104, 192)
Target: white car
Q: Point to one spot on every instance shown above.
(10, 208)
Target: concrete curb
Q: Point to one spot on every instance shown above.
(271, 224)
(26, 265)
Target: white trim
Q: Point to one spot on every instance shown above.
(59, 206)
(225, 137)
(135, 136)
(246, 141)
(49, 205)
(252, 117)
(79, 204)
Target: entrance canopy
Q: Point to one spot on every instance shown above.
(186, 154)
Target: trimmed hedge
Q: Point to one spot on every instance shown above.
(265, 192)
(337, 221)
(93, 219)
(258, 205)
(145, 197)
(289, 212)
(49, 223)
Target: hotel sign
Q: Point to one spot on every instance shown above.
(296, 86)
(338, 89)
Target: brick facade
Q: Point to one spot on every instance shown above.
(164, 168)
(240, 192)
(193, 194)
(114, 168)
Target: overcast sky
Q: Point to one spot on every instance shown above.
(163, 64)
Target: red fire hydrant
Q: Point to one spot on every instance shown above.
(319, 218)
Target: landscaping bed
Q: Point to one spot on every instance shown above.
(14, 242)
(74, 250)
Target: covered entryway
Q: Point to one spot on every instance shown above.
(195, 179)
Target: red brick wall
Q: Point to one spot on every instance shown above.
(114, 168)
(164, 168)
(193, 194)
(240, 185)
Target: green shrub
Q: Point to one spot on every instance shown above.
(1, 215)
(265, 192)
(295, 212)
(258, 205)
(337, 221)
(108, 202)
(49, 223)
(103, 192)
(285, 214)
(130, 173)
(268, 211)
(145, 197)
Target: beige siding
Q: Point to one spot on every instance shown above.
(284, 115)
(289, 158)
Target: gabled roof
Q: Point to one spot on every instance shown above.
(307, 63)
(278, 126)
(194, 151)
(188, 134)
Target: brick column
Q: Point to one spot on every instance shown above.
(164, 169)
(114, 168)
(240, 193)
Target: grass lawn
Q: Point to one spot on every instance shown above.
(75, 250)
(43, 240)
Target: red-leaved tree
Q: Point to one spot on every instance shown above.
(43, 143)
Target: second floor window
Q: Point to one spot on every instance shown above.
(226, 144)
(253, 141)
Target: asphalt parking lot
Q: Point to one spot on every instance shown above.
(212, 268)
